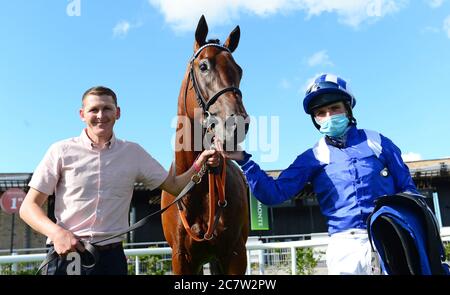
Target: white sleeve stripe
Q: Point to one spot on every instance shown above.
(374, 142)
(322, 152)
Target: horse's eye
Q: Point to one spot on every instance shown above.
(203, 67)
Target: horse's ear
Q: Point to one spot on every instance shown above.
(233, 40)
(200, 33)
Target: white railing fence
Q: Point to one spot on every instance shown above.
(262, 258)
(274, 256)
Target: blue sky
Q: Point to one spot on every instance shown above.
(395, 55)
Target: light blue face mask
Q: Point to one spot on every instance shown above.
(334, 126)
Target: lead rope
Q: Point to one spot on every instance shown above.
(213, 216)
(52, 255)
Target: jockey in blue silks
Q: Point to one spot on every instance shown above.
(349, 169)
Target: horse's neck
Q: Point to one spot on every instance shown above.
(183, 161)
(184, 142)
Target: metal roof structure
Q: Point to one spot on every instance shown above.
(423, 170)
(430, 168)
(11, 180)
(21, 180)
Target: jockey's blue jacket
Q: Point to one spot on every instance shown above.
(347, 177)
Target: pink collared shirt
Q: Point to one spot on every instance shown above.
(93, 187)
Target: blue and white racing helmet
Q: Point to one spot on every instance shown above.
(327, 84)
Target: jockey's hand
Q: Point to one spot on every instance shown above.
(241, 157)
(237, 155)
(210, 157)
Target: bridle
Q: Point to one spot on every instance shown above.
(201, 101)
(215, 178)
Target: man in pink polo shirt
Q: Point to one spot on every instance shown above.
(92, 177)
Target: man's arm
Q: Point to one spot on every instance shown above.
(272, 191)
(174, 184)
(31, 212)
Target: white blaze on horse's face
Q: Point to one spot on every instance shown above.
(100, 114)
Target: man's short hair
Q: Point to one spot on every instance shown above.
(100, 90)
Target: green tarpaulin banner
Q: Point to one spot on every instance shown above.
(259, 215)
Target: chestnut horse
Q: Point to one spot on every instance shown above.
(209, 100)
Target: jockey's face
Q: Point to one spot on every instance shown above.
(322, 113)
(100, 114)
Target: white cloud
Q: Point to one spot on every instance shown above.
(183, 15)
(320, 58)
(430, 29)
(408, 157)
(435, 3)
(285, 84)
(354, 12)
(121, 29)
(446, 26)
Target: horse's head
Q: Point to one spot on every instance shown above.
(215, 77)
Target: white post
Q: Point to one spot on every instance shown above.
(437, 210)
(249, 266)
(132, 221)
(136, 265)
(14, 265)
(261, 261)
(294, 261)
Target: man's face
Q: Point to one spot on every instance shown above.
(100, 114)
(322, 113)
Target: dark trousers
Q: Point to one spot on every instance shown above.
(111, 262)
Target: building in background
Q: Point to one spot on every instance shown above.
(300, 215)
